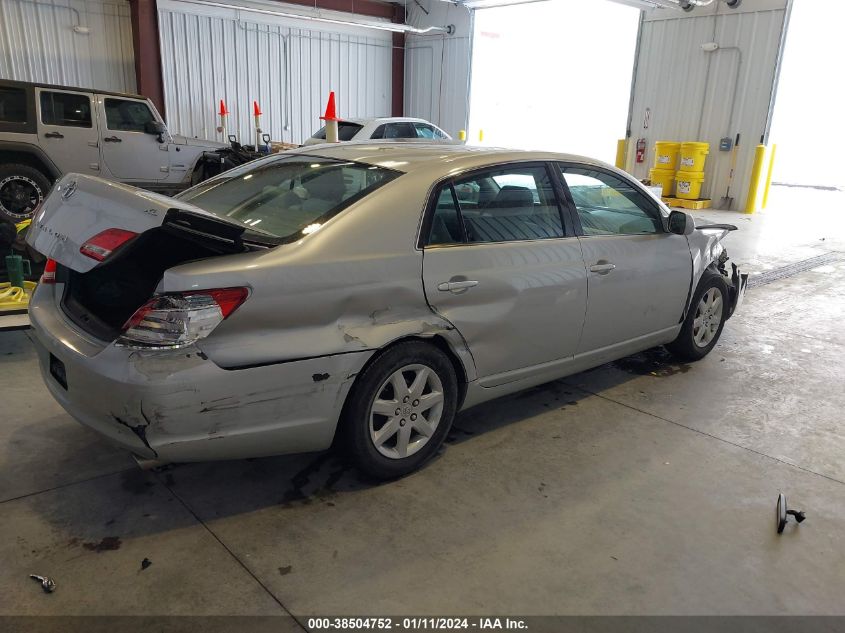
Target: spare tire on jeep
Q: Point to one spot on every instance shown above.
(22, 188)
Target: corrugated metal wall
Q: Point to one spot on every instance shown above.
(37, 43)
(437, 67)
(288, 66)
(672, 71)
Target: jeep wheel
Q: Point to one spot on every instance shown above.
(22, 188)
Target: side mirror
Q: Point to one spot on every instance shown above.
(155, 127)
(681, 223)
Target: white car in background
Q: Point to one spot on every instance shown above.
(382, 128)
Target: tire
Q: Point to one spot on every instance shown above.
(22, 189)
(367, 436)
(698, 337)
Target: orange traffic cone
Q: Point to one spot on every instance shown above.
(223, 113)
(331, 110)
(330, 117)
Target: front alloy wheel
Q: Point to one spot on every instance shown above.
(708, 317)
(705, 319)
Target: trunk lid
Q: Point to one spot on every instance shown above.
(80, 207)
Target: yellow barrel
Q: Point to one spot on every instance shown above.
(689, 184)
(666, 154)
(693, 156)
(664, 178)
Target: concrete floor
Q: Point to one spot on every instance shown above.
(641, 487)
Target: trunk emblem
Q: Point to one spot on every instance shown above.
(69, 190)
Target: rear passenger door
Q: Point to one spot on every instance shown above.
(500, 265)
(639, 274)
(67, 130)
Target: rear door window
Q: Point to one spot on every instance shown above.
(509, 204)
(12, 105)
(127, 115)
(505, 204)
(65, 109)
(446, 220)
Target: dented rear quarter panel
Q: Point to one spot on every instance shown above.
(353, 286)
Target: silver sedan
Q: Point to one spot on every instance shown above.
(360, 294)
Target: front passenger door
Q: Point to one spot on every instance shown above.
(129, 153)
(638, 274)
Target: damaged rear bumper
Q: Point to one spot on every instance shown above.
(178, 405)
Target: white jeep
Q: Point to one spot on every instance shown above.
(47, 131)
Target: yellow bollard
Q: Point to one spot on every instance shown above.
(462, 135)
(754, 185)
(621, 151)
(480, 136)
(769, 175)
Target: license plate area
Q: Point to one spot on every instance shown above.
(57, 371)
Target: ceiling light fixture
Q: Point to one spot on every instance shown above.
(319, 17)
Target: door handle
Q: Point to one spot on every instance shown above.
(113, 139)
(54, 135)
(602, 268)
(452, 286)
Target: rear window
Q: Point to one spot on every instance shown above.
(12, 105)
(65, 109)
(287, 197)
(345, 131)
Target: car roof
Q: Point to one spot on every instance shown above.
(386, 119)
(31, 84)
(413, 156)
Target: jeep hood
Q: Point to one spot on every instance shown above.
(178, 139)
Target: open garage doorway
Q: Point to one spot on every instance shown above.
(553, 75)
(807, 122)
(808, 179)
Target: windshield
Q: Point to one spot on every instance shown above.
(289, 196)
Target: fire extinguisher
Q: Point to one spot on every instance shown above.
(641, 150)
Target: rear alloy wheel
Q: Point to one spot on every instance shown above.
(22, 189)
(400, 410)
(705, 319)
(406, 411)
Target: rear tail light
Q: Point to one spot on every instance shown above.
(49, 274)
(178, 320)
(105, 243)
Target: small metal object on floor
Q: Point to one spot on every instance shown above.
(47, 584)
(782, 512)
